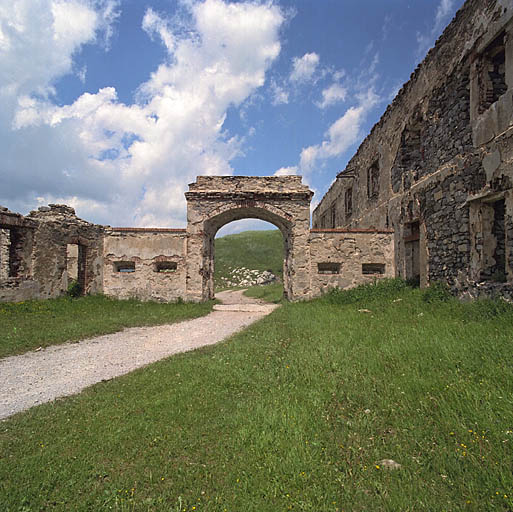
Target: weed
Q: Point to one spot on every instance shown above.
(74, 289)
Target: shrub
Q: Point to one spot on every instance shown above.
(74, 289)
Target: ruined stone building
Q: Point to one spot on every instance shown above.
(438, 166)
(428, 197)
(42, 253)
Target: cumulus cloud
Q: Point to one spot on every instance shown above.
(303, 68)
(333, 94)
(128, 163)
(344, 132)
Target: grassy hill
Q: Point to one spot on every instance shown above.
(255, 250)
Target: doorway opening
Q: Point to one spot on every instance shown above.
(412, 252)
(76, 266)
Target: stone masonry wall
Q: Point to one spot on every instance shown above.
(58, 226)
(148, 264)
(445, 158)
(348, 258)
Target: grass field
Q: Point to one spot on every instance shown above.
(295, 413)
(32, 324)
(255, 250)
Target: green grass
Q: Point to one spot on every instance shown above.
(255, 250)
(270, 292)
(294, 413)
(40, 323)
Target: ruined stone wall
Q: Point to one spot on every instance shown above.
(348, 258)
(58, 227)
(444, 153)
(37, 251)
(148, 264)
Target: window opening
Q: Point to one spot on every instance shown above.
(492, 74)
(166, 267)
(373, 268)
(124, 266)
(328, 268)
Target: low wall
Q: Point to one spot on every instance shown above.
(148, 264)
(347, 258)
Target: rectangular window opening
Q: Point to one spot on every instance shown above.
(492, 73)
(166, 267)
(124, 266)
(328, 268)
(373, 268)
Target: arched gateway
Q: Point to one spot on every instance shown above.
(213, 201)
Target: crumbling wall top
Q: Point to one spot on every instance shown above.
(219, 186)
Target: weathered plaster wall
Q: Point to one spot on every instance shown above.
(348, 258)
(444, 152)
(154, 253)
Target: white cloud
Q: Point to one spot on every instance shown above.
(286, 171)
(303, 68)
(279, 95)
(127, 164)
(39, 49)
(341, 134)
(335, 93)
(426, 40)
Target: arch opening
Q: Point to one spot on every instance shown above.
(213, 224)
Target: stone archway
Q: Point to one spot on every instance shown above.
(213, 201)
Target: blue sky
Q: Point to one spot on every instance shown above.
(114, 106)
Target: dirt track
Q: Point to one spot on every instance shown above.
(37, 377)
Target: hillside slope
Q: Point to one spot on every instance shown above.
(254, 250)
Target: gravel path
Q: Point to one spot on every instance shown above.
(37, 377)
